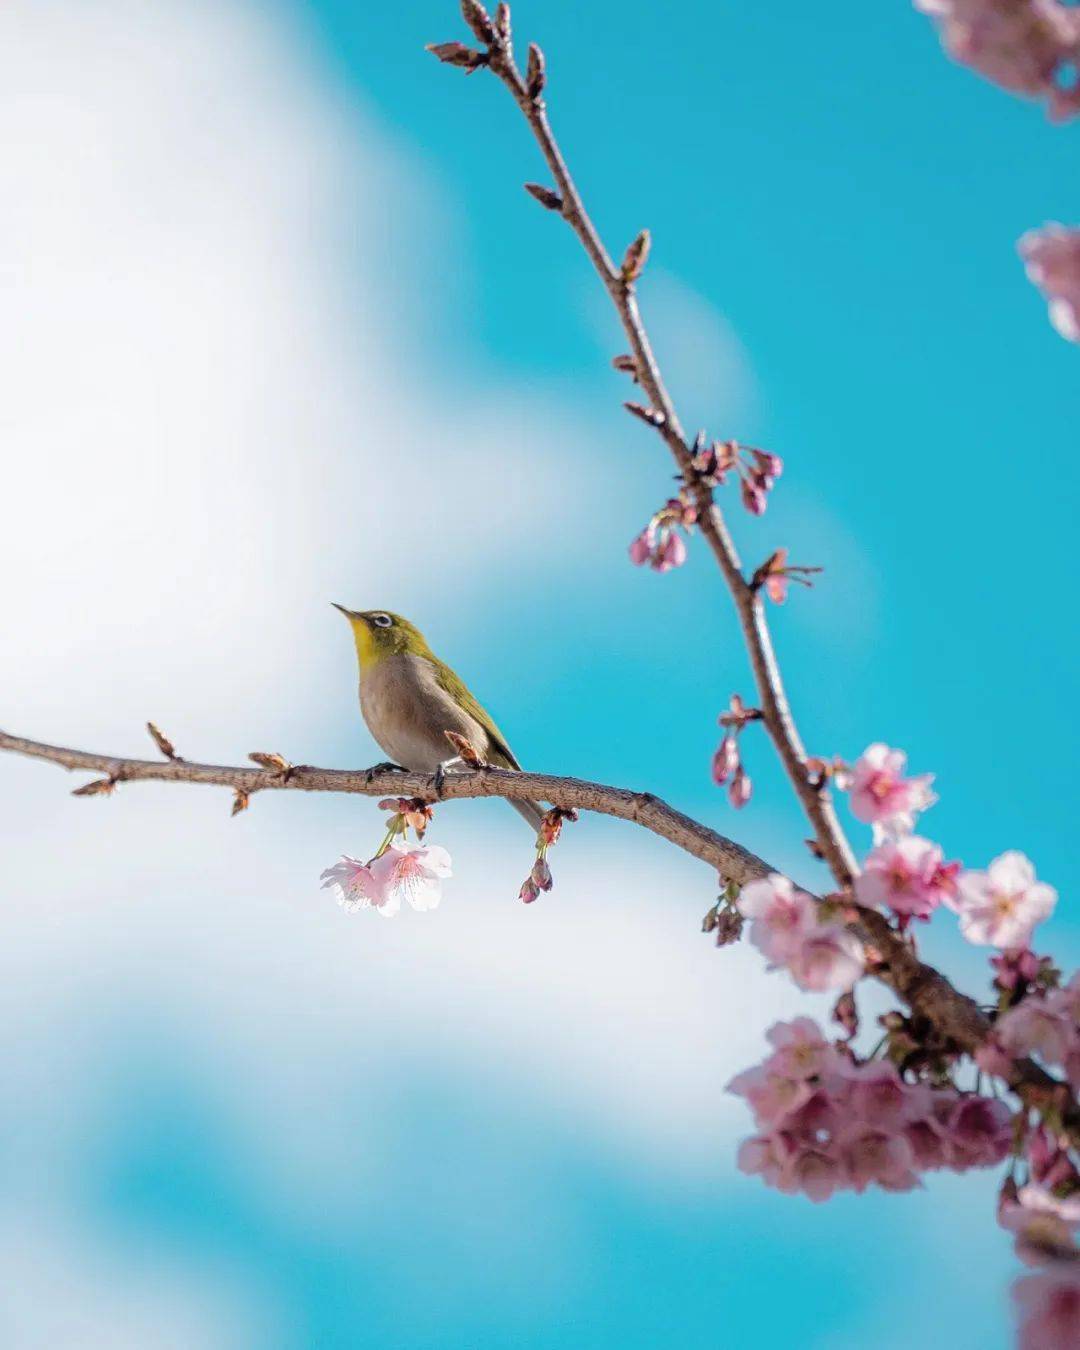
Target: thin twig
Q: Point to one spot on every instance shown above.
(776, 710)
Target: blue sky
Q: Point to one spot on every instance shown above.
(303, 338)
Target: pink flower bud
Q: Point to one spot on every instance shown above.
(671, 552)
(642, 546)
(753, 497)
(529, 891)
(541, 875)
(740, 789)
(725, 761)
(769, 465)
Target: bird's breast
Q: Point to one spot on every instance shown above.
(409, 713)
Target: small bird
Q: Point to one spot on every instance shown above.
(410, 700)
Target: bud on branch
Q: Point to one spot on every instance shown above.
(535, 77)
(457, 54)
(633, 262)
(545, 196)
(478, 19)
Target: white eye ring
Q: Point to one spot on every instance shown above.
(381, 620)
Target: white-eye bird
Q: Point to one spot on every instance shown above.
(410, 700)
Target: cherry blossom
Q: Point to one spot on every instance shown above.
(782, 916)
(1052, 261)
(881, 795)
(356, 885)
(828, 957)
(1026, 46)
(827, 1122)
(412, 874)
(786, 927)
(1049, 1307)
(1001, 906)
(907, 875)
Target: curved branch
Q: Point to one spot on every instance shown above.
(732, 861)
(920, 986)
(776, 710)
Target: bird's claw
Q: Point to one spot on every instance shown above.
(440, 779)
(384, 766)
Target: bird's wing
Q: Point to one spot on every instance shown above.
(499, 753)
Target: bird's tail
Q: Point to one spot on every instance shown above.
(528, 811)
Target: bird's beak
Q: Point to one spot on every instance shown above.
(347, 612)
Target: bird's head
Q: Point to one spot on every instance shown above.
(379, 633)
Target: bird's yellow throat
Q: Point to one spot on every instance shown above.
(368, 652)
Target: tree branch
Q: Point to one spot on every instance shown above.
(776, 710)
(732, 861)
(922, 988)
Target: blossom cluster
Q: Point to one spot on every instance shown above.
(909, 875)
(792, 931)
(828, 1122)
(659, 544)
(727, 765)
(1026, 46)
(1052, 260)
(1046, 1024)
(398, 873)
(757, 470)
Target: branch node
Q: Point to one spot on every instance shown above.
(653, 416)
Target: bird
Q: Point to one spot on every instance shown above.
(410, 700)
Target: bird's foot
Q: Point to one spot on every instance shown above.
(384, 766)
(440, 774)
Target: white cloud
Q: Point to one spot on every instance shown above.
(62, 1288)
(212, 426)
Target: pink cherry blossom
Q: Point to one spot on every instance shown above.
(412, 874)
(828, 957)
(980, 1131)
(1026, 46)
(1001, 906)
(881, 795)
(765, 1155)
(1052, 260)
(876, 1155)
(827, 1122)
(772, 1096)
(879, 1097)
(357, 886)
(800, 1049)
(1049, 1307)
(814, 1172)
(786, 928)
(1037, 1026)
(907, 875)
(781, 915)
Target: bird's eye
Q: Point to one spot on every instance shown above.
(382, 620)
